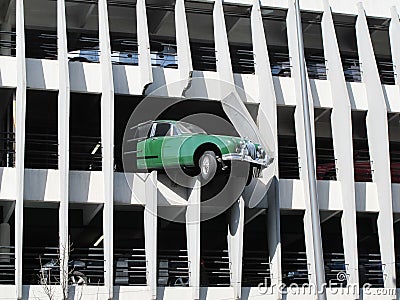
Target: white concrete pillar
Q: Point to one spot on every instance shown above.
(342, 142)
(182, 44)
(20, 142)
(193, 238)
(5, 242)
(268, 117)
(63, 137)
(378, 137)
(146, 73)
(235, 245)
(150, 232)
(300, 136)
(107, 142)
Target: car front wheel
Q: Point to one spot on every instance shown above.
(208, 165)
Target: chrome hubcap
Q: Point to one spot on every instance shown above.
(206, 165)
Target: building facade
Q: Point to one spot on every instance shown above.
(73, 72)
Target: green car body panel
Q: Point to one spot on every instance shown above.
(180, 148)
(173, 151)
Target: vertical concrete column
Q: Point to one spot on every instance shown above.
(300, 136)
(235, 245)
(63, 138)
(183, 46)
(107, 141)
(342, 142)
(377, 131)
(20, 141)
(146, 74)
(394, 34)
(150, 232)
(193, 238)
(268, 117)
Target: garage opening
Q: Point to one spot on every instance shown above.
(199, 17)
(7, 242)
(85, 133)
(214, 259)
(161, 24)
(370, 268)
(82, 31)
(256, 261)
(173, 262)
(295, 268)
(129, 246)
(332, 245)
(362, 162)
(394, 146)
(347, 41)
(86, 255)
(325, 154)
(41, 144)
(7, 130)
(313, 46)
(238, 28)
(288, 157)
(40, 244)
(274, 21)
(379, 32)
(41, 29)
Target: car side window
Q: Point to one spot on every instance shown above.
(160, 129)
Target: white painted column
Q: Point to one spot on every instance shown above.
(378, 137)
(150, 232)
(63, 137)
(146, 73)
(193, 238)
(268, 117)
(107, 142)
(20, 142)
(394, 35)
(300, 136)
(343, 142)
(235, 245)
(185, 65)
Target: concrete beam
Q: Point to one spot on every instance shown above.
(193, 238)
(107, 138)
(150, 232)
(146, 73)
(63, 136)
(235, 245)
(20, 142)
(342, 137)
(377, 131)
(185, 65)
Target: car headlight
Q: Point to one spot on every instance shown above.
(260, 152)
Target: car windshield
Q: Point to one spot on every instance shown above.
(185, 128)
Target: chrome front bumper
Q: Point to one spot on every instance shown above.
(262, 163)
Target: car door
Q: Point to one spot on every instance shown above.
(154, 144)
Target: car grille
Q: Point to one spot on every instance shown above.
(251, 148)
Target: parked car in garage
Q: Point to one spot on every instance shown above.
(172, 144)
(49, 273)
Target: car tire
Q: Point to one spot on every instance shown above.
(208, 166)
(77, 278)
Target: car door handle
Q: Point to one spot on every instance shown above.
(154, 138)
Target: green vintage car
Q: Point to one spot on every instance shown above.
(171, 144)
